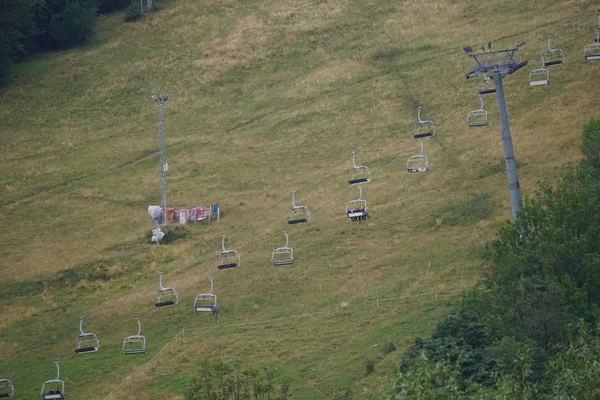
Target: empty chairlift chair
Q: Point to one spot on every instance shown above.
(135, 344)
(207, 302)
(356, 210)
(298, 214)
(477, 117)
(486, 88)
(553, 57)
(54, 388)
(7, 389)
(165, 296)
(591, 52)
(228, 258)
(540, 76)
(423, 129)
(417, 163)
(283, 255)
(86, 342)
(358, 173)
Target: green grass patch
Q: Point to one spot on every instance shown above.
(464, 212)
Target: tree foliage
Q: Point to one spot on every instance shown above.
(220, 381)
(17, 32)
(29, 26)
(543, 287)
(107, 6)
(74, 24)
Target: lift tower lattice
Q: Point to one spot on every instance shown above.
(160, 100)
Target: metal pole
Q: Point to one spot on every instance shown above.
(164, 167)
(509, 154)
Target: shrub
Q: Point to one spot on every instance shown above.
(106, 6)
(75, 24)
(172, 233)
(4, 60)
(369, 367)
(220, 381)
(17, 30)
(386, 53)
(133, 12)
(389, 348)
(590, 145)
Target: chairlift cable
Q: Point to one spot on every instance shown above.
(110, 333)
(272, 236)
(70, 355)
(586, 16)
(181, 262)
(315, 211)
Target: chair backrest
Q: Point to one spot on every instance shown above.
(7, 389)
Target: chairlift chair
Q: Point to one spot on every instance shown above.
(228, 258)
(356, 210)
(358, 173)
(86, 342)
(135, 344)
(48, 388)
(207, 302)
(553, 57)
(7, 389)
(298, 214)
(539, 77)
(165, 296)
(425, 128)
(477, 117)
(283, 255)
(417, 163)
(485, 89)
(591, 52)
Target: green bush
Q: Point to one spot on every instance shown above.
(590, 145)
(389, 348)
(542, 276)
(369, 367)
(386, 53)
(133, 12)
(4, 59)
(17, 30)
(107, 6)
(27, 26)
(173, 233)
(75, 24)
(220, 381)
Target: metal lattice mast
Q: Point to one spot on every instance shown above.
(501, 63)
(164, 167)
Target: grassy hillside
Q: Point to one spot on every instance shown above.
(266, 97)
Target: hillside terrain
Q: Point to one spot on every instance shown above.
(267, 97)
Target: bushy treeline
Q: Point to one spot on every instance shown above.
(534, 332)
(29, 26)
(220, 381)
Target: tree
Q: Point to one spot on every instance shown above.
(542, 277)
(590, 145)
(107, 6)
(17, 31)
(220, 381)
(74, 24)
